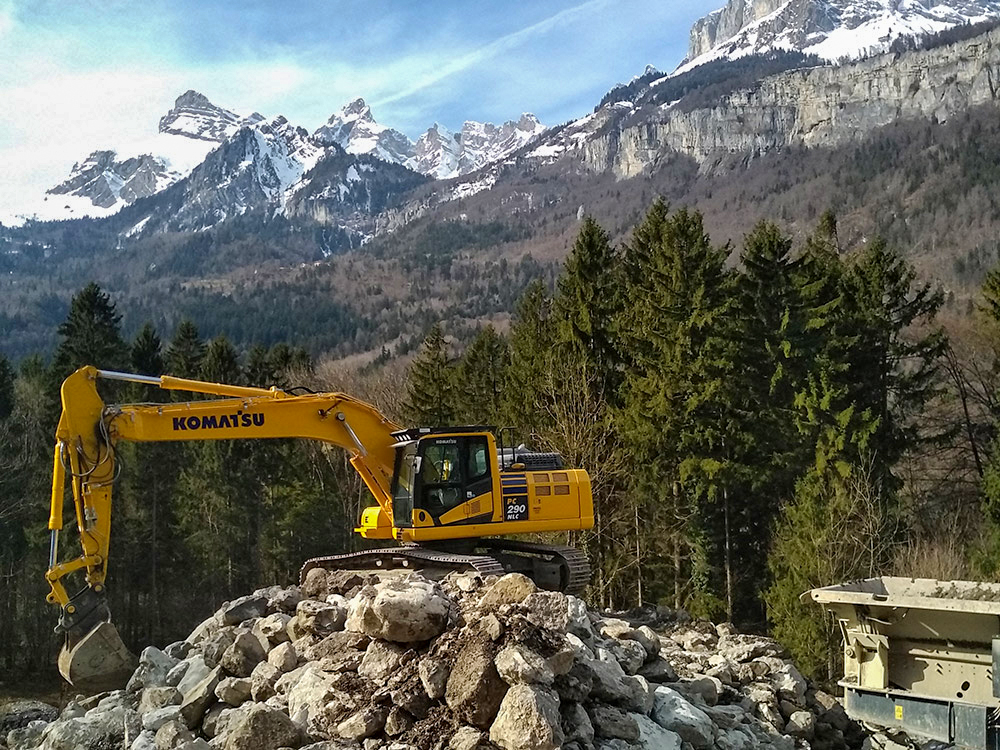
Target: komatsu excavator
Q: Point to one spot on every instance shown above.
(442, 494)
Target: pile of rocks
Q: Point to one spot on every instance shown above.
(349, 661)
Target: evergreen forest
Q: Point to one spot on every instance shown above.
(807, 415)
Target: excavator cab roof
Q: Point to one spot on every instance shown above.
(415, 433)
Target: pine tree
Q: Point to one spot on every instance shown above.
(895, 368)
(90, 334)
(675, 420)
(146, 352)
(532, 338)
(588, 300)
(480, 379)
(430, 388)
(186, 351)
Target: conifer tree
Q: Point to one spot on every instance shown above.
(430, 386)
(147, 352)
(894, 366)
(588, 300)
(681, 298)
(532, 338)
(480, 379)
(90, 334)
(186, 351)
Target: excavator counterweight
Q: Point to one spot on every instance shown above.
(442, 494)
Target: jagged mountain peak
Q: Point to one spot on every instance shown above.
(194, 116)
(832, 29)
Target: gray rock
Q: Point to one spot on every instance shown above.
(519, 665)
(613, 723)
(790, 684)
(158, 697)
(654, 737)
(319, 618)
(671, 711)
(243, 655)
(403, 611)
(156, 718)
(214, 646)
(491, 627)
(285, 600)
(658, 670)
(263, 681)
(194, 672)
(576, 723)
(801, 724)
(512, 588)
(548, 610)
(434, 676)
(233, 690)
(145, 740)
(474, 689)
(200, 697)
(630, 654)
(178, 650)
(109, 728)
(154, 666)
(261, 728)
(364, 723)
(244, 608)
(381, 660)
(528, 719)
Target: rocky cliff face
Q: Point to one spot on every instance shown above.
(832, 29)
(824, 106)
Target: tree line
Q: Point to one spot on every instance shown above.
(194, 523)
(751, 429)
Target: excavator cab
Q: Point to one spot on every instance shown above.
(436, 473)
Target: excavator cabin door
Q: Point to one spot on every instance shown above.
(441, 479)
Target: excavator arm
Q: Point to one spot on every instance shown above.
(88, 431)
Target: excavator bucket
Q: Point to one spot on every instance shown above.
(99, 661)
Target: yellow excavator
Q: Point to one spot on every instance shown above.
(443, 495)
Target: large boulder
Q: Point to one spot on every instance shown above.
(475, 690)
(671, 711)
(519, 665)
(262, 728)
(407, 611)
(154, 666)
(528, 719)
(512, 588)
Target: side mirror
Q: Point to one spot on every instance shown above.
(417, 460)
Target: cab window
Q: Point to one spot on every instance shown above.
(441, 476)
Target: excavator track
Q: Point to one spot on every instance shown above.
(551, 566)
(404, 558)
(572, 564)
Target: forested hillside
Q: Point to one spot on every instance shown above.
(929, 189)
(752, 429)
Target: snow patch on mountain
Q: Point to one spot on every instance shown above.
(835, 30)
(355, 130)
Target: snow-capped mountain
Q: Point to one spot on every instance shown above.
(111, 178)
(832, 29)
(354, 129)
(438, 153)
(274, 157)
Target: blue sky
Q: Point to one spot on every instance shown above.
(76, 75)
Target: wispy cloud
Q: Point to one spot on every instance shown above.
(495, 48)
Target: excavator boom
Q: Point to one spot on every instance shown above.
(432, 488)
